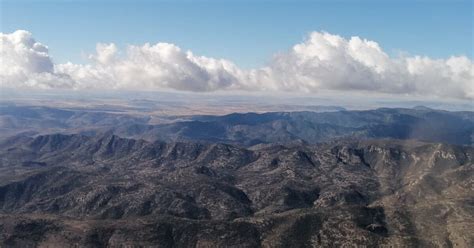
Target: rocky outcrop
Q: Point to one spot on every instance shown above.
(112, 191)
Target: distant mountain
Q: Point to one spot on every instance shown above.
(247, 129)
(104, 190)
(312, 127)
(42, 120)
(421, 107)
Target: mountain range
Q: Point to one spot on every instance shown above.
(98, 178)
(248, 129)
(111, 191)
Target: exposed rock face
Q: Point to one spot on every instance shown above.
(99, 191)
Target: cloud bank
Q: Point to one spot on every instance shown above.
(321, 62)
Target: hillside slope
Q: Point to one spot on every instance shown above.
(107, 190)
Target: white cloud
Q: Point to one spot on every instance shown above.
(106, 53)
(161, 65)
(26, 63)
(322, 62)
(326, 61)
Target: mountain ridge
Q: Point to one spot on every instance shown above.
(249, 129)
(349, 192)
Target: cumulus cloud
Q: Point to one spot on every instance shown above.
(26, 63)
(321, 62)
(162, 65)
(326, 61)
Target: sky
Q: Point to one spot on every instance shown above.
(246, 32)
(248, 45)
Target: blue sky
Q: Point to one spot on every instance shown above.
(246, 32)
